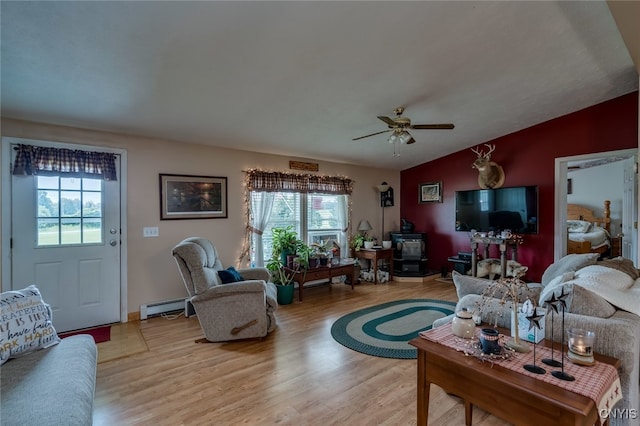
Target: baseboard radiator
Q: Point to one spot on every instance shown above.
(159, 308)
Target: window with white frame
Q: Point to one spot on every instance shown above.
(316, 218)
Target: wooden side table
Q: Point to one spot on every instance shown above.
(502, 243)
(373, 256)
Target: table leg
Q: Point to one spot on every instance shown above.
(300, 285)
(468, 413)
(375, 270)
(474, 259)
(423, 389)
(503, 260)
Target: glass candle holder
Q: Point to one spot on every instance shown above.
(581, 341)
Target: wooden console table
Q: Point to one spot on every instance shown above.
(502, 243)
(516, 398)
(374, 255)
(322, 272)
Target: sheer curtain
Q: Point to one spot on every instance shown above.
(261, 204)
(343, 223)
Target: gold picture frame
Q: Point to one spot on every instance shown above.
(193, 197)
(430, 192)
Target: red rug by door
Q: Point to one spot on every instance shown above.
(99, 334)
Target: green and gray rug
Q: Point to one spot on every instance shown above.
(385, 330)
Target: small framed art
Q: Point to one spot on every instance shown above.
(192, 197)
(430, 192)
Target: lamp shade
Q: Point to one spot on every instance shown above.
(364, 226)
(383, 187)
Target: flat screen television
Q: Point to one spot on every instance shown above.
(484, 210)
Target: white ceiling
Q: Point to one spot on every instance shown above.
(304, 78)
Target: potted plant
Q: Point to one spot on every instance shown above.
(358, 241)
(284, 243)
(322, 250)
(282, 277)
(303, 253)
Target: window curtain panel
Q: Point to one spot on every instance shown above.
(261, 204)
(343, 223)
(33, 160)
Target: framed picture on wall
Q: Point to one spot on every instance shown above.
(192, 197)
(430, 192)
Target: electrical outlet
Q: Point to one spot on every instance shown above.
(151, 231)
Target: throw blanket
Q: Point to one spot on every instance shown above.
(616, 287)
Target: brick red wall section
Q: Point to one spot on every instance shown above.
(528, 158)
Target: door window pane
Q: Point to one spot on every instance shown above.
(69, 211)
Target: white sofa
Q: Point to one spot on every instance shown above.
(617, 330)
(50, 387)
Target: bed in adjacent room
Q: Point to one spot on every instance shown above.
(588, 233)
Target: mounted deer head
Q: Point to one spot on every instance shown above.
(490, 174)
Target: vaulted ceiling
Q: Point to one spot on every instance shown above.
(303, 79)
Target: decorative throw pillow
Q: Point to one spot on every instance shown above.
(621, 264)
(604, 277)
(25, 323)
(571, 262)
(229, 275)
(579, 299)
(469, 285)
(581, 226)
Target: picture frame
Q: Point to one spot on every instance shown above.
(430, 192)
(193, 197)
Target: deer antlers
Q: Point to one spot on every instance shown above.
(481, 154)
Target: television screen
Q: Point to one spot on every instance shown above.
(484, 210)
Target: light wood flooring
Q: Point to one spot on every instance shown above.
(297, 375)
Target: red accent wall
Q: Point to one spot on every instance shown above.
(528, 158)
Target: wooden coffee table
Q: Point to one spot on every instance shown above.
(516, 398)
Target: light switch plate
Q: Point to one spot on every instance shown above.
(150, 231)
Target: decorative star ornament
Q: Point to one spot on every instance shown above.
(552, 303)
(562, 299)
(534, 319)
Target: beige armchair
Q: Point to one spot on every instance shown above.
(231, 311)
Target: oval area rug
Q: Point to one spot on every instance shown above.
(384, 330)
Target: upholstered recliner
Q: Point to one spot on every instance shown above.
(235, 310)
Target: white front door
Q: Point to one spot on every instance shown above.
(65, 239)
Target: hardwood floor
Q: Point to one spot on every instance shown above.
(297, 375)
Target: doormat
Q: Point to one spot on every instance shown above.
(385, 330)
(99, 334)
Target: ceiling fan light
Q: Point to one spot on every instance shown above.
(405, 137)
(393, 138)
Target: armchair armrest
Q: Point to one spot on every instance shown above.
(255, 273)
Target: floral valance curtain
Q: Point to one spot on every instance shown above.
(258, 180)
(33, 160)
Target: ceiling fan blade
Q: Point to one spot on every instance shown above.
(372, 134)
(447, 126)
(410, 141)
(388, 120)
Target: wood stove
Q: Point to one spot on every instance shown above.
(409, 254)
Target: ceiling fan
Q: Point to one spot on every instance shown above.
(399, 125)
